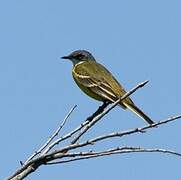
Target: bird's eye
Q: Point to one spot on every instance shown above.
(79, 56)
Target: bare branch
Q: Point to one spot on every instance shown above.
(119, 150)
(63, 154)
(53, 135)
(63, 138)
(132, 131)
(58, 153)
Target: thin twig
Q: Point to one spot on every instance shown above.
(118, 134)
(119, 150)
(132, 131)
(99, 110)
(88, 155)
(65, 137)
(44, 159)
(53, 135)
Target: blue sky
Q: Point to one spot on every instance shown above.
(136, 40)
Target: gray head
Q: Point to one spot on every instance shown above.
(79, 55)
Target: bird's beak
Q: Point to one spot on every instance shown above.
(66, 57)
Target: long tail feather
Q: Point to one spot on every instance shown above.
(138, 112)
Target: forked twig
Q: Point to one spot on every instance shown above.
(46, 156)
(52, 136)
(119, 150)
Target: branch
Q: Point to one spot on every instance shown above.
(132, 131)
(119, 150)
(58, 153)
(86, 125)
(32, 165)
(53, 135)
(47, 157)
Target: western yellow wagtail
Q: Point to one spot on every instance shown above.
(97, 82)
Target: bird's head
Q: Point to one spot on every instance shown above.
(79, 55)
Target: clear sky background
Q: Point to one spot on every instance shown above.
(136, 40)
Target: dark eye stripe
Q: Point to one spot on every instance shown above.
(79, 56)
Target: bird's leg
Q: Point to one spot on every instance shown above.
(99, 110)
(105, 104)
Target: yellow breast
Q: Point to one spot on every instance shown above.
(85, 89)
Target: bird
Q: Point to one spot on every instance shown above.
(99, 83)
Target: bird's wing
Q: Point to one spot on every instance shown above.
(98, 79)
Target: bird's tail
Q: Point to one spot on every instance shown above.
(138, 112)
